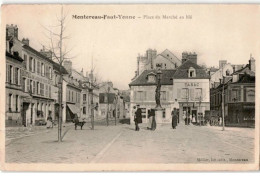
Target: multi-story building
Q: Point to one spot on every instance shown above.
(152, 60)
(142, 92)
(191, 88)
(36, 73)
(239, 96)
(185, 88)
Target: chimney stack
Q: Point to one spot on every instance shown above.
(252, 63)
(26, 41)
(68, 66)
(46, 53)
(12, 31)
(189, 56)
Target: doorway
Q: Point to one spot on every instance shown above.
(24, 114)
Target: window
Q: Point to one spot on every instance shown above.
(10, 102)
(84, 97)
(198, 94)
(42, 89)
(105, 98)
(11, 74)
(38, 88)
(227, 72)
(84, 110)
(72, 93)
(17, 103)
(50, 73)
(43, 69)
(151, 78)
(30, 63)
(69, 96)
(140, 95)
(192, 72)
(8, 73)
(159, 65)
(25, 61)
(163, 95)
(184, 93)
(236, 95)
(50, 91)
(16, 70)
(28, 85)
(31, 86)
(19, 76)
(78, 97)
(46, 90)
(38, 67)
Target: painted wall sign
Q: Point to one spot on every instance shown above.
(192, 84)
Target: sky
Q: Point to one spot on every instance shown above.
(215, 32)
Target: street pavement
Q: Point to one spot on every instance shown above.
(121, 144)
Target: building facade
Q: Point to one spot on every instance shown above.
(239, 96)
(34, 76)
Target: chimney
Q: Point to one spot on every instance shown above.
(222, 63)
(252, 63)
(68, 66)
(26, 41)
(46, 53)
(189, 56)
(82, 72)
(151, 54)
(12, 31)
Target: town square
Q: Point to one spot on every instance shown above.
(120, 90)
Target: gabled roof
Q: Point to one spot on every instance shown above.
(16, 57)
(142, 79)
(182, 71)
(246, 70)
(171, 55)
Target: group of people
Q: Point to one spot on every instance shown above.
(151, 115)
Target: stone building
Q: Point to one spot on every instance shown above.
(191, 88)
(152, 60)
(239, 96)
(36, 80)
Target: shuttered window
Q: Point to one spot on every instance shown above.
(27, 85)
(192, 96)
(46, 90)
(50, 91)
(8, 73)
(38, 67)
(42, 89)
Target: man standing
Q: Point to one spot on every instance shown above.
(138, 118)
(174, 118)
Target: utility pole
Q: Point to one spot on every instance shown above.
(223, 112)
(108, 89)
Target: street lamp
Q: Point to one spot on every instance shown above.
(158, 90)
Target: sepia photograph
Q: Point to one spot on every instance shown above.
(158, 87)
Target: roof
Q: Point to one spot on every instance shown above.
(182, 71)
(213, 69)
(142, 80)
(16, 57)
(111, 97)
(171, 55)
(56, 66)
(246, 70)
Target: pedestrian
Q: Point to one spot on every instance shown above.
(174, 118)
(193, 119)
(189, 118)
(220, 121)
(49, 121)
(138, 118)
(184, 117)
(153, 120)
(150, 119)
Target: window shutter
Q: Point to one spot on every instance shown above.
(134, 95)
(7, 73)
(40, 68)
(192, 94)
(15, 76)
(50, 91)
(179, 94)
(203, 94)
(28, 85)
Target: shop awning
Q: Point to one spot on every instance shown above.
(74, 109)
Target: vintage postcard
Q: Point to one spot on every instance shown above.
(132, 87)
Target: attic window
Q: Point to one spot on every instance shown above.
(167, 55)
(151, 78)
(192, 72)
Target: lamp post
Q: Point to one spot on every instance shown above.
(158, 107)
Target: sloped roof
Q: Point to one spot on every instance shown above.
(171, 55)
(246, 70)
(182, 71)
(142, 80)
(111, 98)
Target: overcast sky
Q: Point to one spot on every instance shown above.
(215, 32)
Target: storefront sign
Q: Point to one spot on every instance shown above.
(192, 84)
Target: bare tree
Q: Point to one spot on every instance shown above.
(60, 54)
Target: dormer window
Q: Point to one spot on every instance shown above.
(192, 72)
(151, 78)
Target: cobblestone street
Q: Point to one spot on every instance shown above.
(121, 144)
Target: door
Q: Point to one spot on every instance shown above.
(25, 108)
